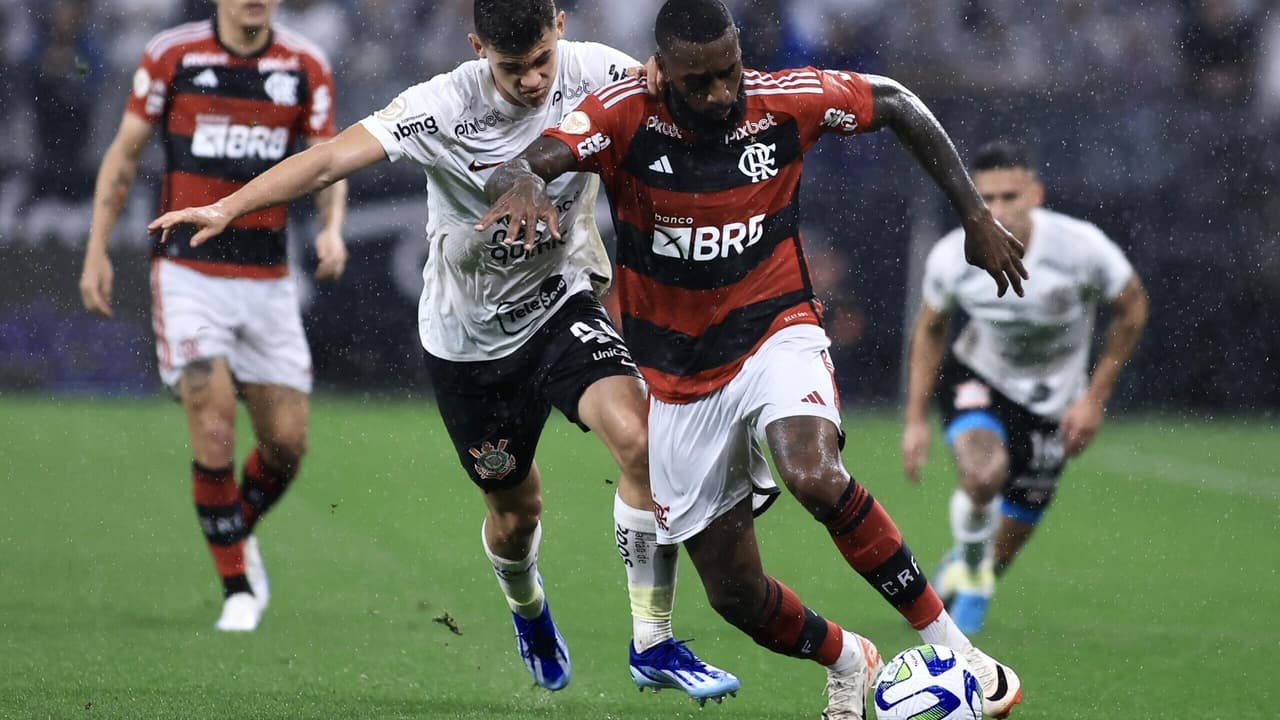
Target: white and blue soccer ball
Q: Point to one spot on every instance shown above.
(928, 682)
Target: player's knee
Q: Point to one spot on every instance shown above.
(817, 485)
(285, 450)
(517, 521)
(631, 448)
(214, 435)
(983, 477)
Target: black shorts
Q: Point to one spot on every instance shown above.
(1036, 457)
(495, 410)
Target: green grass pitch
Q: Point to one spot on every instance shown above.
(1151, 591)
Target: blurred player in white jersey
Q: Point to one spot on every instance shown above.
(512, 330)
(1015, 393)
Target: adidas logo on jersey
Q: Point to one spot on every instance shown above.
(206, 79)
(662, 165)
(813, 398)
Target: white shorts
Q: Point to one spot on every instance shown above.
(255, 325)
(706, 456)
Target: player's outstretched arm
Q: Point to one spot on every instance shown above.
(313, 169)
(518, 190)
(115, 177)
(1128, 318)
(928, 345)
(331, 250)
(987, 244)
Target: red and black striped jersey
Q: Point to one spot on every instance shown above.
(710, 258)
(224, 119)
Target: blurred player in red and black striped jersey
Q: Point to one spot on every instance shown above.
(231, 95)
(719, 311)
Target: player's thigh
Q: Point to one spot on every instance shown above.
(615, 408)
(272, 346)
(703, 460)
(1036, 463)
(194, 317)
(494, 416)
(586, 369)
(279, 415)
(976, 426)
(791, 375)
(517, 506)
(792, 403)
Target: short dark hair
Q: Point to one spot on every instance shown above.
(513, 26)
(695, 21)
(1003, 155)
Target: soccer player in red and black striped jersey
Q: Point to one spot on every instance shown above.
(231, 96)
(720, 313)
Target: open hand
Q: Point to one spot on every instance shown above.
(524, 205)
(210, 220)
(988, 245)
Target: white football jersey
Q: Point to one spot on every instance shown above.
(482, 299)
(1035, 348)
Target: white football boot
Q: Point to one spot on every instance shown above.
(1001, 688)
(256, 572)
(847, 691)
(240, 613)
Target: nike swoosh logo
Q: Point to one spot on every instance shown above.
(1002, 685)
(478, 166)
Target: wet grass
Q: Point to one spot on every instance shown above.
(1150, 593)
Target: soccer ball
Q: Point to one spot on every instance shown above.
(928, 682)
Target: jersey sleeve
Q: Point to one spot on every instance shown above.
(151, 83)
(844, 107)
(604, 65)
(941, 276)
(594, 131)
(1109, 269)
(411, 124)
(321, 119)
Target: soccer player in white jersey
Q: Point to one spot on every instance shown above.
(512, 330)
(1014, 391)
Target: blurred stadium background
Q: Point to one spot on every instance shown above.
(1155, 119)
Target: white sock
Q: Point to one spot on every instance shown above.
(651, 573)
(519, 578)
(943, 631)
(851, 655)
(973, 526)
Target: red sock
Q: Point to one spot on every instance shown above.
(870, 542)
(792, 629)
(218, 508)
(262, 487)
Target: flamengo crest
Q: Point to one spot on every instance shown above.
(757, 162)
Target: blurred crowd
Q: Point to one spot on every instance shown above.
(1156, 119)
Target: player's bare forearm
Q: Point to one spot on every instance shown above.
(544, 160)
(928, 345)
(331, 205)
(899, 109)
(331, 201)
(319, 167)
(116, 174)
(1129, 318)
(111, 190)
